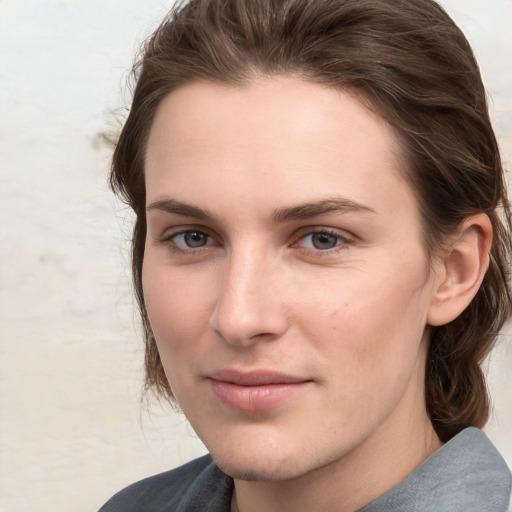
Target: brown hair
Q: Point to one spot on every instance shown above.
(411, 63)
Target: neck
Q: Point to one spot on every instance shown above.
(345, 485)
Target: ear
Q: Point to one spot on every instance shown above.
(460, 270)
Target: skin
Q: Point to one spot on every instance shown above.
(234, 277)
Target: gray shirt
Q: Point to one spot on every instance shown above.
(466, 475)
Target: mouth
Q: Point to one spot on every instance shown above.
(255, 391)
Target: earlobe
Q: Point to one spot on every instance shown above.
(460, 270)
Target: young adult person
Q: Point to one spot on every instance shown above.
(320, 255)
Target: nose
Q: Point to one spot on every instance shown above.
(249, 304)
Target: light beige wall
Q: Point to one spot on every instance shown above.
(73, 429)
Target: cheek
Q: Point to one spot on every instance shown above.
(370, 349)
(371, 326)
(177, 311)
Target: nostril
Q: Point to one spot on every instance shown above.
(247, 331)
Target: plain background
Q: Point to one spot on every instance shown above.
(73, 426)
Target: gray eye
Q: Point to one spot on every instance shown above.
(324, 241)
(195, 239)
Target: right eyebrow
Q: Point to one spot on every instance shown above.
(177, 207)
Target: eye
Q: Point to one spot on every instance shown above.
(323, 240)
(188, 242)
(191, 239)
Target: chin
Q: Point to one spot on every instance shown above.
(265, 471)
(267, 464)
(255, 453)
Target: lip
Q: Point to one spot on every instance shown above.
(255, 391)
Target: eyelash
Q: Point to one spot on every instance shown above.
(170, 242)
(343, 242)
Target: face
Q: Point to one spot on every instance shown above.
(284, 275)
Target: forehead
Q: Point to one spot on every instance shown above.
(268, 137)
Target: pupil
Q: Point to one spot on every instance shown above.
(195, 239)
(324, 241)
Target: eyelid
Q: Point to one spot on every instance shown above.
(171, 231)
(168, 239)
(169, 236)
(345, 238)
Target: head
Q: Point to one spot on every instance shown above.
(405, 61)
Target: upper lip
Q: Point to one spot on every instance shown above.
(254, 377)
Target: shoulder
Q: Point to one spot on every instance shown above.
(466, 475)
(476, 475)
(199, 483)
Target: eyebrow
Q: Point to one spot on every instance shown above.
(286, 214)
(169, 205)
(317, 208)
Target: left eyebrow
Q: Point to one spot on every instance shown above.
(316, 208)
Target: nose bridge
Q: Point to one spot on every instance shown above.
(248, 308)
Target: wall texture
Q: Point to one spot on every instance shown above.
(73, 426)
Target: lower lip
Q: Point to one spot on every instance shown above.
(255, 398)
